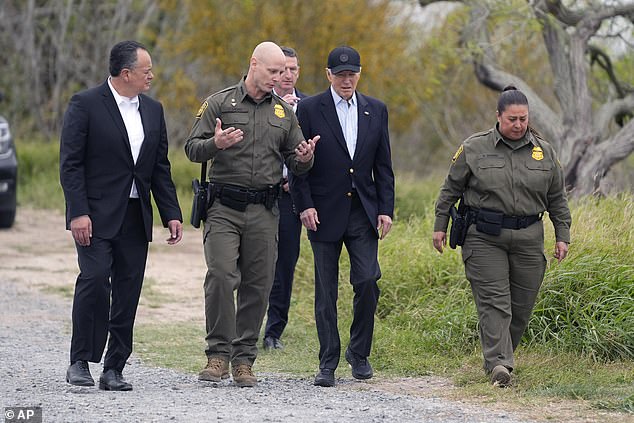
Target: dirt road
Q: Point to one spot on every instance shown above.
(38, 263)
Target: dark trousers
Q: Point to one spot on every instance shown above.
(289, 229)
(240, 251)
(361, 242)
(505, 272)
(109, 268)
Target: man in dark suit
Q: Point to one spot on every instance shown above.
(346, 198)
(113, 152)
(289, 228)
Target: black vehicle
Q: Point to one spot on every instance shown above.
(8, 175)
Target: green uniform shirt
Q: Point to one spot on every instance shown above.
(518, 178)
(271, 134)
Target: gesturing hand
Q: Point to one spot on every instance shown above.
(291, 99)
(227, 137)
(305, 149)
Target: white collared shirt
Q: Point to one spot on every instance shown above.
(294, 93)
(348, 119)
(129, 109)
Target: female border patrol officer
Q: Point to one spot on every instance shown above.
(507, 177)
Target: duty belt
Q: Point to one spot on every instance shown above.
(247, 195)
(510, 222)
(238, 197)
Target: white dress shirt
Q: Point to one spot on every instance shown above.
(348, 119)
(129, 109)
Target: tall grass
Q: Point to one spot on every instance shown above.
(586, 304)
(38, 175)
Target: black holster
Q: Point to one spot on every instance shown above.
(199, 203)
(459, 225)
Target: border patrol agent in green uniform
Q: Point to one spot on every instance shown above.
(507, 177)
(248, 133)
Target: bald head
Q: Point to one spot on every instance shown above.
(268, 51)
(266, 67)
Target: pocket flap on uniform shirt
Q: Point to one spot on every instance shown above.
(539, 165)
(490, 161)
(232, 117)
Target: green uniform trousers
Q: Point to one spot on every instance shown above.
(241, 251)
(505, 273)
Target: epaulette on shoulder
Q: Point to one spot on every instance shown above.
(223, 91)
(479, 135)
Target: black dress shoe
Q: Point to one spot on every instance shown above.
(325, 377)
(271, 343)
(78, 374)
(112, 380)
(361, 368)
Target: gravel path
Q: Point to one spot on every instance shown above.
(33, 358)
(37, 256)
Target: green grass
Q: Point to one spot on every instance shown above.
(579, 344)
(38, 176)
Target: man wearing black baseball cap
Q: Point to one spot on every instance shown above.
(344, 58)
(347, 198)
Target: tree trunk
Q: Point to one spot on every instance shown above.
(579, 133)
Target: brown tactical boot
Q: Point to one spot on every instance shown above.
(243, 376)
(500, 376)
(216, 370)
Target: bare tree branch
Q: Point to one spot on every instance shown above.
(609, 111)
(559, 11)
(490, 75)
(601, 158)
(579, 133)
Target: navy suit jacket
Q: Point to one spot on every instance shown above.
(328, 185)
(97, 168)
(300, 94)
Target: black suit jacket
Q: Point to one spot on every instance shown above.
(97, 168)
(300, 94)
(327, 186)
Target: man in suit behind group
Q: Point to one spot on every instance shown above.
(113, 152)
(346, 198)
(289, 228)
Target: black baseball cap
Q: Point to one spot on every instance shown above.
(344, 58)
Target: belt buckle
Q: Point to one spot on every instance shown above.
(522, 222)
(252, 196)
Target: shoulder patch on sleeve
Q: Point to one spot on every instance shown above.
(202, 109)
(457, 154)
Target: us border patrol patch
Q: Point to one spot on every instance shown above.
(202, 109)
(458, 153)
(279, 111)
(538, 153)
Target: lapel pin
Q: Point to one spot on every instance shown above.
(366, 113)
